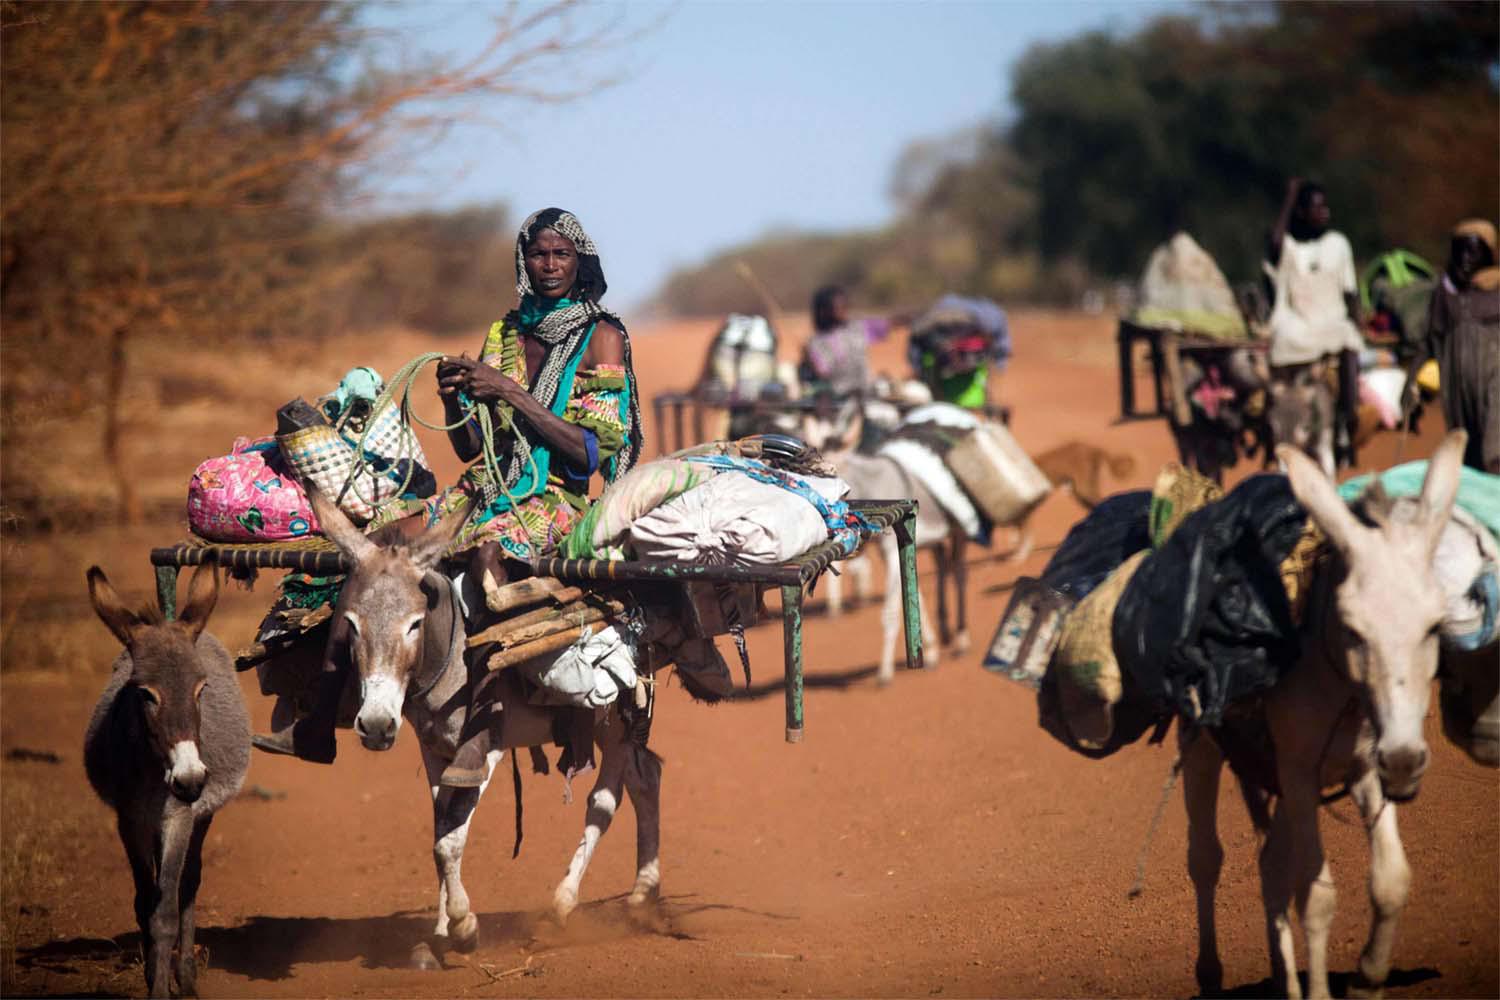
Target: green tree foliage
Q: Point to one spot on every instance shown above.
(1195, 122)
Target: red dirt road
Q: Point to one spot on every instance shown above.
(925, 840)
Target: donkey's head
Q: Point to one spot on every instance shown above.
(384, 604)
(1387, 604)
(166, 674)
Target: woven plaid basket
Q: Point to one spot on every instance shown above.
(328, 458)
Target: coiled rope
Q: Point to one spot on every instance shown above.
(397, 392)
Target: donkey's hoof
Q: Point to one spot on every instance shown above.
(961, 643)
(643, 896)
(186, 977)
(564, 902)
(1363, 984)
(423, 959)
(465, 934)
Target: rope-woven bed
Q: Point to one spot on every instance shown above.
(317, 555)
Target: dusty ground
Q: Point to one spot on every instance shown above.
(925, 840)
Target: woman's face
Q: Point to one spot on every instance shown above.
(551, 264)
(1467, 255)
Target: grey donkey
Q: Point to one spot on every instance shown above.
(408, 651)
(1350, 714)
(168, 745)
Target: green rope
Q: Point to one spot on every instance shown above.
(400, 385)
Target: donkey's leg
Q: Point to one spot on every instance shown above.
(1318, 904)
(137, 837)
(187, 897)
(1390, 881)
(1276, 894)
(603, 801)
(861, 572)
(1311, 879)
(452, 811)
(833, 586)
(176, 836)
(1202, 764)
(961, 587)
(643, 785)
(1303, 877)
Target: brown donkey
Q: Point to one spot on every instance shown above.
(167, 746)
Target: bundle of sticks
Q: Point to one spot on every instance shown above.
(563, 614)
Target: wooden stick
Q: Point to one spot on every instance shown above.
(552, 625)
(564, 599)
(520, 654)
(522, 593)
(544, 621)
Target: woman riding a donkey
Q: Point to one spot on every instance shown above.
(555, 375)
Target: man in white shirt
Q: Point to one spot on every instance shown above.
(1314, 318)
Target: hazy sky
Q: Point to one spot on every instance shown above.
(734, 118)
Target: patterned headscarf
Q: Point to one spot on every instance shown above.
(563, 329)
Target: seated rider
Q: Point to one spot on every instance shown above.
(556, 377)
(958, 348)
(1315, 314)
(835, 360)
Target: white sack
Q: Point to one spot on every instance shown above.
(731, 520)
(927, 467)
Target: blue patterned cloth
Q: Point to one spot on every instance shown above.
(846, 527)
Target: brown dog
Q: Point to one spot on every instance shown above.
(1079, 467)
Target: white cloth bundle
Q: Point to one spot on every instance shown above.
(591, 673)
(731, 520)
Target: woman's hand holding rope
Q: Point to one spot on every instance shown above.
(479, 382)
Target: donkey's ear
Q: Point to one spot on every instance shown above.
(1312, 487)
(112, 611)
(338, 528)
(1441, 484)
(429, 547)
(203, 594)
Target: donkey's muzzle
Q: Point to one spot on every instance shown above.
(1401, 771)
(376, 733)
(186, 773)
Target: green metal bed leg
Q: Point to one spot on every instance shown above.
(791, 633)
(166, 590)
(906, 546)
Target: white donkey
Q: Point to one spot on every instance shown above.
(1350, 713)
(407, 643)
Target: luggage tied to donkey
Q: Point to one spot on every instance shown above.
(1183, 602)
(346, 446)
(975, 469)
(729, 503)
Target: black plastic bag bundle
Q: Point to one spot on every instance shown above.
(1206, 620)
(1114, 531)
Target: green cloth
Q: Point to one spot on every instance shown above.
(579, 542)
(966, 390)
(1478, 492)
(533, 479)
